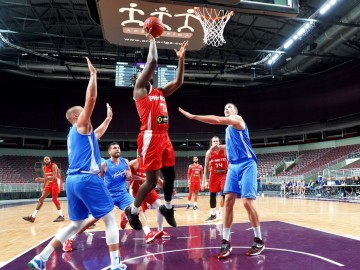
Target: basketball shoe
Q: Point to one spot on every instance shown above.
(150, 237)
(120, 266)
(188, 207)
(168, 215)
(211, 218)
(37, 263)
(257, 247)
(29, 218)
(67, 245)
(225, 249)
(195, 207)
(165, 235)
(134, 220)
(123, 221)
(59, 219)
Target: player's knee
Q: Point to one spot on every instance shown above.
(247, 204)
(149, 185)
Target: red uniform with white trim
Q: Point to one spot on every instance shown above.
(194, 176)
(154, 145)
(135, 185)
(218, 169)
(52, 186)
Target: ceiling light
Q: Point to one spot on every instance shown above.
(324, 8)
(288, 43)
(271, 58)
(301, 32)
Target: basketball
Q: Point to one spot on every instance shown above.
(156, 25)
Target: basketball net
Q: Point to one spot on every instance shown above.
(213, 22)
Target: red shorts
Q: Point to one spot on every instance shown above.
(54, 187)
(217, 182)
(194, 186)
(149, 199)
(156, 150)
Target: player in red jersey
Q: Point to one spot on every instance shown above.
(154, 145)
(52, 185)
(217, 164)
(194, 176)
(152, 199)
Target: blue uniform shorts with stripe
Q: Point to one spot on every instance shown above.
(241, 179)
(86, 193)
(122, 199)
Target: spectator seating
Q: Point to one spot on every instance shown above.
(20, 169)
(266, 162)
(310, 160)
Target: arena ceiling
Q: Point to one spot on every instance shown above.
(49, 39)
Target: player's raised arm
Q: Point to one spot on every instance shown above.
(100, 130)
(83, 121)
(143, 78)
(171, 87)
(235, 121)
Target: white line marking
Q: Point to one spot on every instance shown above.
(240, 247)
(187, 237)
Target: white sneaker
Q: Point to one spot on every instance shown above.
(120, 266)
(37, 263)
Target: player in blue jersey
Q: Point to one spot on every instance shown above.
(85, 190)
(241, 175)
(116, 171)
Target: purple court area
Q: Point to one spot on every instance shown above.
(195, 247)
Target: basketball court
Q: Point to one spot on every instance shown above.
(299, 234)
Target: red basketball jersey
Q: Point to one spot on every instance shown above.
(135, 184)
(152, 111)
(218, 162)
(194, 172)
(48, 171)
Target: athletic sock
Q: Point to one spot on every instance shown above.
(257, 232)
(168, 205)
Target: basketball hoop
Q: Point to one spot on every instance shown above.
(213, 22)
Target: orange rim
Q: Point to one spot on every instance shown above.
(208, 18)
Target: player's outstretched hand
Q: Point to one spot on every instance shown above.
(109, 111)
(181, 52)
(186, 114)
(91, 67)
(148, 35)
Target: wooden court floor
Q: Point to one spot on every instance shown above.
(340, 218)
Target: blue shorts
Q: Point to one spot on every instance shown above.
(241, 179)
(122, 199)
(86, 193)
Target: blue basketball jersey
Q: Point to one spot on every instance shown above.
(115, 176)
(83, 152)
(238, 146)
